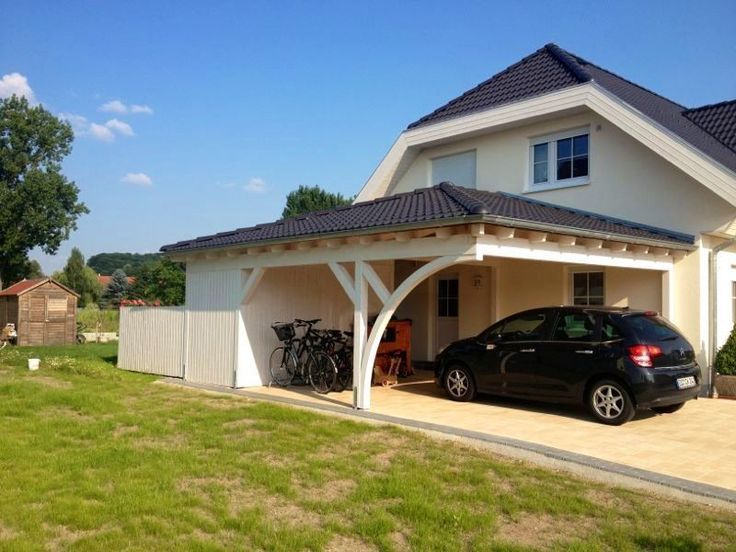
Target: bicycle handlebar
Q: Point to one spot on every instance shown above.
(301, 322)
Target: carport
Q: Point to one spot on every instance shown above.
(340, 265)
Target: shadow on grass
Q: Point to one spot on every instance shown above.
(112, 359)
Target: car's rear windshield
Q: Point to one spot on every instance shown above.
(650, 327)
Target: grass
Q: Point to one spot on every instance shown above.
(93, 458)
(94, 319)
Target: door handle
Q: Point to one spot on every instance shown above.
(527, 350)
(585, 352)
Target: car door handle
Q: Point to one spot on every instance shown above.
(585, 352)
(527, 350)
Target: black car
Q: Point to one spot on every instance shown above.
(614, 360)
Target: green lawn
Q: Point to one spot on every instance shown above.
(95, 458)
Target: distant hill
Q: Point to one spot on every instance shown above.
(130, 263)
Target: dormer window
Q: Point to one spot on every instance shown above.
(559, 160)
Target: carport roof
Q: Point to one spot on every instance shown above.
(444, 204)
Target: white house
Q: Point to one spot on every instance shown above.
(553, 182)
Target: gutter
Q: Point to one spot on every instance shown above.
(713, 310)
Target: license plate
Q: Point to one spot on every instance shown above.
(686, 383)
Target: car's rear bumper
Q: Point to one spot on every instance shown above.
(660, 387)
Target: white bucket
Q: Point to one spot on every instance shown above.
(33, 363)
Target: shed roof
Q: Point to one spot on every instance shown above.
(710, 129)
(445, 203)
(24, 286)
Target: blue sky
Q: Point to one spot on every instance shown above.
(237, 103)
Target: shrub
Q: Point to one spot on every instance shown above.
(725, 361)
(93, 319)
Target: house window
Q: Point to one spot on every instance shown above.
(560, 160)
(458, 169)
(587, 288)
(447, 297)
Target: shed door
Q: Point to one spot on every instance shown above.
(36, 320)
(56, 306)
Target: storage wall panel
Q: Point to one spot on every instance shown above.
(152, 340)
(213, 303)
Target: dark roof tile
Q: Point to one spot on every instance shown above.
(710, 129)
(430, 206)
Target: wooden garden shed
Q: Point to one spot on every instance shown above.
(44, 312)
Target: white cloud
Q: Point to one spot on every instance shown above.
(137, 179)
(101, 132)
(255, 185)
(80, 124)
(120, 127)
(114, 106)
(15, 83)
(135, 108)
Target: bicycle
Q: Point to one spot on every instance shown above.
(303, 357)
(337, 345)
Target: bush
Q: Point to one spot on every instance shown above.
(725, 362)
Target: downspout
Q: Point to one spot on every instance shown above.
(713, 314)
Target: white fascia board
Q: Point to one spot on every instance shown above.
(671, 147)
(462, 126)
(714, 176)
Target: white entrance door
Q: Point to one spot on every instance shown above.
(447, 311)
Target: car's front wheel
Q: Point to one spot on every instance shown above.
(669, 409)
(610, 402)
(459, 384)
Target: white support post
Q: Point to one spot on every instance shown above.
(343, 277)
(394, 300)
(251, 283)
(376, 283)
(361, 391)
(668, 295)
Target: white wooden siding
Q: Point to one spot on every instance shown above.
(213, 302)
(152, 340)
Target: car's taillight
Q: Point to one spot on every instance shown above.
(644, 355)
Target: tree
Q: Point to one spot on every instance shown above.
(161, 280)
(34, 270)
(81, 278)
(307, 199)
(39, 207)
(117, 289)
(19, 268)
(130, 263)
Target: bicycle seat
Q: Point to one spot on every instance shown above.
(348, 334)
(309, 322)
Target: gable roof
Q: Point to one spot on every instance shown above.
(24, 286)
(441, 204)
(551, 68)
(718, 120)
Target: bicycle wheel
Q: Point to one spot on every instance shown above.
(282, 365)
(322, 372)
(344, 378)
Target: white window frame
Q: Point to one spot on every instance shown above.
(552, 182)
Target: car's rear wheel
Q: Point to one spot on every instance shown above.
(610, 402)
(459, 384)
(669, 409)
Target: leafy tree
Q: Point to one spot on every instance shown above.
(307, 199)
(130, 263)
(117, 289)
(161, 280)
(81, 278)
(34, 270)
(39, 207)
(20, 268)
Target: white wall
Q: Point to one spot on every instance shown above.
(726, 276)
(306, 292)
(628, 180)
(152, 340)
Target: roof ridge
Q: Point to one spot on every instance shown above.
(632, 83)
(472, 205)
(569, 61)
(708, 106)
(558, 55)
